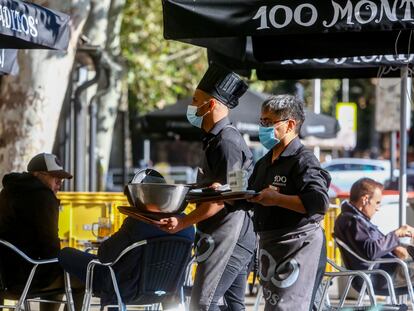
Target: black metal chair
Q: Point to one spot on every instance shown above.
(163, 264)
(25, 296)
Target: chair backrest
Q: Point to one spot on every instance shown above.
(342, 245)
(163, 266)
(6, 248)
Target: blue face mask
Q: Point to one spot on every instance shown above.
(267, 137)
(192, 116)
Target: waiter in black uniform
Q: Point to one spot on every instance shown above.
(226, 239)
(292, 201)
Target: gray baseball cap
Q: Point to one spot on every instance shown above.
(48, 163)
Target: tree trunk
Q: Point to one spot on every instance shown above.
(30, 102)
(110, 102)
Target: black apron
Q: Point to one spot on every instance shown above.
(216, 240)
(291, 266)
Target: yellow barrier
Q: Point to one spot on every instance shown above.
(79, 210)
(332, 251)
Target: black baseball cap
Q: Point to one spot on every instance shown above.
(223, 84)
(48, 163)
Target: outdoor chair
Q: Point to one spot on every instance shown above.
(351, 274)
(163, 264)
(400, 292)
(329, 276)
(26, 296)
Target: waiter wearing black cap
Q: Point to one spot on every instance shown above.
(226, 239)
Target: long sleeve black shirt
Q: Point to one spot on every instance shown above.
(295, 172)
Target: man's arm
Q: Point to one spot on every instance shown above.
(226, 156)
(361, 240)
(202, 212)
(44, 214)
(401, 252)
(7, 214)
(271, 197)
(312, 183)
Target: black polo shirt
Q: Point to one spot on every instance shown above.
(295, 172)
(224, 150)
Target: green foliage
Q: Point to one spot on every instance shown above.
(329, 91)
(329, 99)
(159, 71)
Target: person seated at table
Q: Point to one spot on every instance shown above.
(29, 213)
(354, 227)
(75, 261)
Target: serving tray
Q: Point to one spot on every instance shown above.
(230, 196)
(149, 218)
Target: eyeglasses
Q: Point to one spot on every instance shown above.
(268, 123)
(56, 179)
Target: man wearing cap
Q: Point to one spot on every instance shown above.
(29, 212)
(226, 239)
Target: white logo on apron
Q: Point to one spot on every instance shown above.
(282, 276)
(206, 249)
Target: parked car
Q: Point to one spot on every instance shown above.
(345, 171)
(393, 185)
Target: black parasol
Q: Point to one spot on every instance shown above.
(172, 120)
(25, 25)
(385, 66)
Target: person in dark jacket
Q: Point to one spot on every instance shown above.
(29, 213)
(354, 227)
(127, 271)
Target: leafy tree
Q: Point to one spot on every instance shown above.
(159, 71)
(30, 102)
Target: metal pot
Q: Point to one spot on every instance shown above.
(157, 197)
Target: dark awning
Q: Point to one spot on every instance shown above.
(26, 25)
(289, 29)
(8, 62)
(318, 68)
(172, 120)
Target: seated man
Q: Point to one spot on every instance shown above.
(29, 213)
(75, 261)
(354, 227)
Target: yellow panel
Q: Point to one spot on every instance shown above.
(65, 220)
(79, 210)
(84, 215)
(328, 224)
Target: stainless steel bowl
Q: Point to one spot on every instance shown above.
(157, 198)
